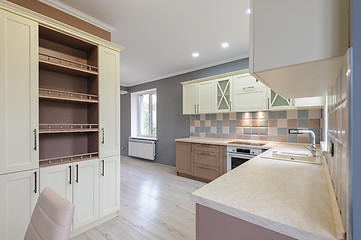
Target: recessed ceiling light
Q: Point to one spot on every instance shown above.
(225, 45)
(195, 54)
(247, 11)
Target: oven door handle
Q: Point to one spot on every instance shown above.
(238, 155)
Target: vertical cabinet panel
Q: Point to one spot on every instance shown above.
(190, 98)
(184, 163)
(18, 93)
(109, 185)
(59, 179)
(206, 97)
(223, 94)
(109, 102)
(19, 193)
(86, 192)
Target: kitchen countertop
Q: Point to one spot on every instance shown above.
(294, 199)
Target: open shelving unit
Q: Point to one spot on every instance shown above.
(68, 98)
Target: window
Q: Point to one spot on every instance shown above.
(147, 114)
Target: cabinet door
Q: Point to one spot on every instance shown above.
(109, 185)
(86, 192)
(19, 193)
(310, 102)
(190, 98)
(59, 179)
(18, 93)
(206, 97)
(277, 102)
(223, 87)
(109, 102)
(184, 163)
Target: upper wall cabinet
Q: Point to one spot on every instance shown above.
(109, 100)
(18, 93)
(276, 102)
(190, 98)
(297, 47)
(223, 94)
(248, 94)
(206, 97)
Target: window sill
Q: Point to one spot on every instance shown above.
(145, 138)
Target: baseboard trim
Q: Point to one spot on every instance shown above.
(93, 224)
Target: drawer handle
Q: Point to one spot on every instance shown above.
(70, 174)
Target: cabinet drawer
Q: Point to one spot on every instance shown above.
(206, 172)
(206, 158)
(206, 148)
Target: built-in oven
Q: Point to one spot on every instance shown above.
(237, 155)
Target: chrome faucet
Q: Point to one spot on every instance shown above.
(301, 131)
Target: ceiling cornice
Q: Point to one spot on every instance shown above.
(76, 13)
(189, 70)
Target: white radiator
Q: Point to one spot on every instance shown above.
(141, 148)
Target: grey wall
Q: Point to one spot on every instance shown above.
(355, 133)
(172, 124)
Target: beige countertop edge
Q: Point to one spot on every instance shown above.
(257, 220)
(339, 227)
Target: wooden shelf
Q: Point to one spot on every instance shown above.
(68, 159)
(60, 95)
(61, 65)
(67, 128)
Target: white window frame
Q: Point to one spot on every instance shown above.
(135, 114)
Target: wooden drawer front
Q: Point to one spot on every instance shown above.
(206, 158)
(206, 148)
(206, 172)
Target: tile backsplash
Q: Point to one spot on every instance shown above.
(338, 137)
(265, 125)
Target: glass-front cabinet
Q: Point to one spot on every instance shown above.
(276, 101)
(223, 87)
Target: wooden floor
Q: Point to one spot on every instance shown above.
(155, 204)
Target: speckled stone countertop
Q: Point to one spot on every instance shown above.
(295, 199)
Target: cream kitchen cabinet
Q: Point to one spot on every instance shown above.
(277, 102)
(109, 185)
(311, 102)
(109, 100)
(224, 86)
(206, 97)
(19, 194)
(18, 93)
(86, 193)
(301, 54)
(190, 98)
(248, 94)
(199, 97)
(59, 178)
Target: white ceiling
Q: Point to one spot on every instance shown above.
(160, 36)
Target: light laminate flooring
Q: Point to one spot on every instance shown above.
(155, 204)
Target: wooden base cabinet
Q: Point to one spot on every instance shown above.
(203, 162)
(19, 194)
(109, 185)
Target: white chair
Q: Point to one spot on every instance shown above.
(51, 218)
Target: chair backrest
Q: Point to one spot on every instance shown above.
(51, 218)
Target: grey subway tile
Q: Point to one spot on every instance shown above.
(239, 136)
(272, 115)
(247, 130)
(263, 130)
(213, 135)
(219, 123)
(213, 116)
(255, 131)
(232, 123)
(263, 123)
(198, 129)
(282, 131)
(302, 123)
(302, 114)
(208, 116)
(272, 138)
(219, 129)
(197, 117)
(225, 135)
(225, 116)
(192, 134)
(292, 138)
(232, 129)
(239, 116)
(281, 114)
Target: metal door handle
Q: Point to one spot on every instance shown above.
(103, 138)
(77, 173)
(36, 182)
(103, 168)
(70, 174)
(35, 140)
(195, 108)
